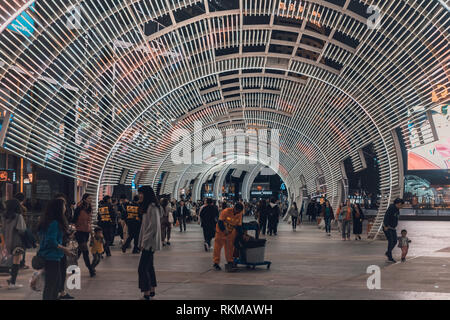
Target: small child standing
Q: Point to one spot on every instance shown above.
(403, 243)
(97, 246)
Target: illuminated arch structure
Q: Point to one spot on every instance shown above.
(96, 89)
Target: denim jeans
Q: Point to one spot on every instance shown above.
(327, 225)
(95, 259)
(294, 222)
(346, 229)
(391, 236)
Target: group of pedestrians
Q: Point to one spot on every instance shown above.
(347, 215)
(268, 216)
(64, 232)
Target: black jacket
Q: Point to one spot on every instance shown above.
(122, 208)
(391, 217)
(209, 216)
(183, 213)
(273, 212)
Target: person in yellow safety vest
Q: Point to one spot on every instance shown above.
(228, 227)
(133, 220)
(106, 218)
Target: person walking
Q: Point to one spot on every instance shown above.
(273, 216)
(261, 213)
(133, 221)
(328, 216)
(227, 228)
(149, 240)
(346, 218)
(390, 223)
(97, 246)
(182, 214)
(166, 225)
(13, 228)
(293, 212)
(22, 200)
(51, 230)
(174, 207)
(338, 217)
(122, 216)
(208, 219)
(358, 218)
(82, 220)
(310, 210)
(63, 295)
(106, 218)
(302, 209)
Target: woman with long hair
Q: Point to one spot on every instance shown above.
(293, 212)
(51, 229)
(328, 215)
(82, 219)
(358, 217)
(14, 226)
(149, 240)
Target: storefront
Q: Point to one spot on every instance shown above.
(39, 185)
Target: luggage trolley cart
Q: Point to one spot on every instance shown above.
(253, 254)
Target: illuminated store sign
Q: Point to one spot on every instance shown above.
(8, 175)
(24, 23)
(261, 193)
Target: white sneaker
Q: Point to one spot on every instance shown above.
(15, 286)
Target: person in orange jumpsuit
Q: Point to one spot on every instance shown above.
(230, 222)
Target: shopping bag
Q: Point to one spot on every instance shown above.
(322, 224)
(177, 224)
(5, 261)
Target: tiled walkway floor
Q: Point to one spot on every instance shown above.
(305, 265)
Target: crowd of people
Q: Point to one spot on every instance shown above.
(66, 232)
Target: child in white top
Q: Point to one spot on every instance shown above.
(403, 243)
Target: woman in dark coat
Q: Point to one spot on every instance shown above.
(358, 217)
(262, 216)
(209, 215)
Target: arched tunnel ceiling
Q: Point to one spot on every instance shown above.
(102, 94)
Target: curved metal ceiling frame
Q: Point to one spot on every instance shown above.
(420, 72)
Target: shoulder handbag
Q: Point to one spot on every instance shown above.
(37, 262)
(20, 224)
(170, 217)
